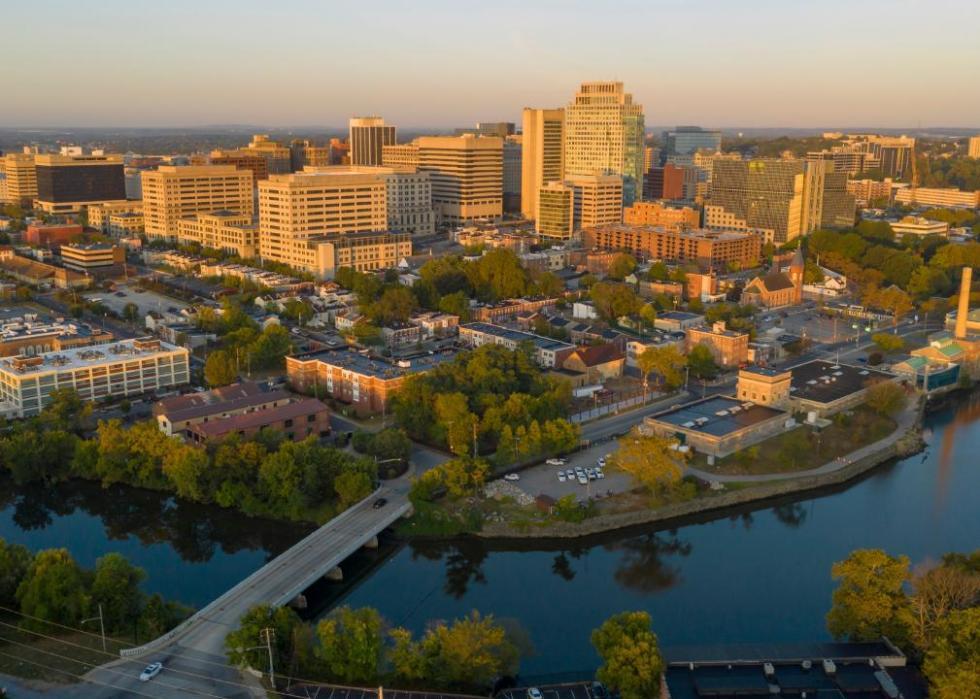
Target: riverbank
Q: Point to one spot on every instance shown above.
(904, 441)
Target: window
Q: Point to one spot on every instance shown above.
(288, 423)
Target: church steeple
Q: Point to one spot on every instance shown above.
(797, 270)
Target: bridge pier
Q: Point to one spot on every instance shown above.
(371, 543)
(298, 602)
(335, 574)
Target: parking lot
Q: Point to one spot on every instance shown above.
(543, 478)
(563, 691)
(146, 301)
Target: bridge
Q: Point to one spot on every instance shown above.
(286, 576)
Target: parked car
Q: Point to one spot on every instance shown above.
(569, 474)
(599, 474)
(601, 461)
(561, 477)
(512, 477)
(150, 671)
(555, 462)
(583, 479)
(599, 691)
(534, 693)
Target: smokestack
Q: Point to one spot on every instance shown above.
(964, 308)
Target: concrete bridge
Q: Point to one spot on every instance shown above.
(285, 577)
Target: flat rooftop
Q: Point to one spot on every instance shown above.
(679, 315)
(545, 343)
(763, 370)
(717, 416)
(17, 328)
(369, 365)
(820, 381)
(93, 355)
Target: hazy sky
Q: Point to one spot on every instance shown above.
(895, 63)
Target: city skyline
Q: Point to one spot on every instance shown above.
(760, 65)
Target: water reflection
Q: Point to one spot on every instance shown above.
(464, 560)
(792, 514)
(195, 532)
(643, 563)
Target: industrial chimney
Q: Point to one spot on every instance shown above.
(964, 308)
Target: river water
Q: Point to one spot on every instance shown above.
(756, 574)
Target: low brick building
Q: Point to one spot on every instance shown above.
(297, 420)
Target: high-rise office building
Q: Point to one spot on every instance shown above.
(894, 153)
(243, 159)
(66, 183)
(502, 129)
(665, 182)
(604, 135)
(684, 141)
(555, 216)
(276, 154)
(19, 175)
(598, 200)
(467, 176)
(762, 193)
(173, 192)
(400, 155)
(512, 174)
(228, 231)
(973, 147)
(826, 201)
(409, 201)
(368, 135)
(304, 153)
(298, 212)
(542, 144)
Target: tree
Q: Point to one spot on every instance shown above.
(453, 413)
(666, 361)
(391, 443)
(952, 664)
(131, 313)
(886, 398)
(888, 342)
(630, 654)
(649, 459)
(65, 410)
(14, 563)
(219, 369)
(270, 347)
(938, 591)
(613, 300)
(648, 314)
(352, 486)
(870, 600)
(246, 646)
(351, 644)
(116, 586)
(457, 303)
(53, 589)
(395, 305)
(702, 363)
(463, 476)
(621, 266)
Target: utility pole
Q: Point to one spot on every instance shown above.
(266, 635)
(101, 621)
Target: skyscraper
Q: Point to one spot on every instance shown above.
(541, 154)
(467, 176)
(66, 183)
(555, 217)
(368, 135)
(20, 178)
(763, 194)
(173, 192)
(598, 200)
(973, 147)
(604, 135)
(685, 141)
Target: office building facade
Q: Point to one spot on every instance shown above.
(467, 176)
(19, 179)
(604, 134)
(973, 147)
(66, 183)
(555, 216)
(598, 200)
(401, 155)
(368, 136)
(175, 192)
(762, 193)
(542, 147)
(680, 144)
(408, 195)
(655, 213)
(228, 231)
(708, 249)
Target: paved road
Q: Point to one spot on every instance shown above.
(579, 690)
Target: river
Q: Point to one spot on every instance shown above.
(758, 574)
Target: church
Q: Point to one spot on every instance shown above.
(778, 288)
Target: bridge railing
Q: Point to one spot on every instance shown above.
(202, 614)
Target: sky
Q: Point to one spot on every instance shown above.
(440, 63)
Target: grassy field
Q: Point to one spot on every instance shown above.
(804, 447)
(51, 654)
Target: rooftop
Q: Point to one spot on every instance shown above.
(378, 367)
(80, 357)
(19, 327)
(678, 315)
(544, 343)
(260, 418)
(820, 381)
(717, 416)
(237, 396)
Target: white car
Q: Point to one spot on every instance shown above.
(570, 474)
(601, 461)
(150, 671)
(599, 474)
(534, 693)
(583, 479)
(561, 477)
(555, 462)
(512, 477)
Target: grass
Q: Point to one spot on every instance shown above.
(59, 656)
(805, 448)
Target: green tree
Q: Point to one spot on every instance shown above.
(219, 369)
(456, 303)
(621, 266)
(246, 645)
(870, 601)
(463, 476)
(53, 589)
(630, 654)
(395, 305)
(116, 586)
(952, 664)
(649, 459)
(391, 443)
(613, 300)
(131, 313)
(270, 347)
(888, 342)
(886, 398)
(702, 363)
(666, 361)
(15, 560)
(351, 642)
(352, 486)
(65, 410)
